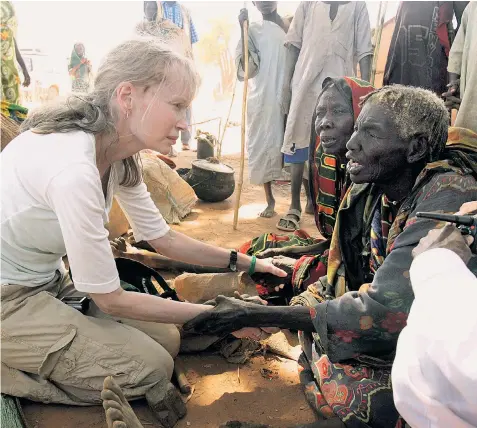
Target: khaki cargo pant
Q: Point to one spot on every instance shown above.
(52, 353)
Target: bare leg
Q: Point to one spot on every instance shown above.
(296, 170)
(119, 413)
(270, 210)
(309, 204)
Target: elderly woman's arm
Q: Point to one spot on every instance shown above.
(369, 321)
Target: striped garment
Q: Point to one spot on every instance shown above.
(173, 12)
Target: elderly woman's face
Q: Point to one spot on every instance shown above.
(334, 122)
(376, 153)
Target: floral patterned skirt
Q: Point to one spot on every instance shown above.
(358, 392)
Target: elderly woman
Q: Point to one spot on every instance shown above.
(82, 152)
(333, 121)
(356, 312)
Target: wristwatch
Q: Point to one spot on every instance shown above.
(233, 261)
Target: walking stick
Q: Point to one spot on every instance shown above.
(244, 120)
(378, 33)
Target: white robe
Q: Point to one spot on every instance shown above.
(434, 373)
(327, 49)
(265, 122)
(463, 61)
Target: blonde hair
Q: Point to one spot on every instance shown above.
(143, 62)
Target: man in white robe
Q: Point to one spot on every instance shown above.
(265, 121)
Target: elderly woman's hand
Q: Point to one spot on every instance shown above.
(228, 315)
(447, 237)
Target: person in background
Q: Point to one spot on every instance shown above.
(325, 39)
(420, 44)
(180, 16)
(462, 93)
(79, 69)
(434, 374)
(265, 121)
(10, 54)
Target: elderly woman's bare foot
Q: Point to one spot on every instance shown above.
(119, 413)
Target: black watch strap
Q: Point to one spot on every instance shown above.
(233, 261)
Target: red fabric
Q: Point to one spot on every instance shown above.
(446, 13)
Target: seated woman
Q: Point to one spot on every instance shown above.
(397, 165)
(333, 120)
(81, 153)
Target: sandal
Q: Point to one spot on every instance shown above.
(289, 219)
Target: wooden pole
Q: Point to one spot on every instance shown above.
(219, 150)
(378, 34)
(244, 122)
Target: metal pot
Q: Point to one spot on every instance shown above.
(211, 181)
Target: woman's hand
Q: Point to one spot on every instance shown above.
(274, 282)
(269, 266)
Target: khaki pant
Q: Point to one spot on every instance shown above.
(54, 354)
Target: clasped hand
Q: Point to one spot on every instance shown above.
(229, 315)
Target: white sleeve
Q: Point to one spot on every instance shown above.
(295, 32)
(75, 195)
(434, 376)
(145, 219)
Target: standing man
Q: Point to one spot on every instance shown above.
(420, 45)
(172, 24)
(325, 39)
(180, 16)
(462, 93)
(265, 120)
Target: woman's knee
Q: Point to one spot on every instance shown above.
(172, 339)
(158, 364)
(167, 335)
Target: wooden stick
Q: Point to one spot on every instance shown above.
(219, 149)
(244, 123)
(378, 33)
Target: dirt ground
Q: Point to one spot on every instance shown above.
(223, 391)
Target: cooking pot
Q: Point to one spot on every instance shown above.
(211, 180)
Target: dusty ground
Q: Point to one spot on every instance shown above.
(222, 391)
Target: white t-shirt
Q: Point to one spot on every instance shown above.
(434, 373)
(53, 204)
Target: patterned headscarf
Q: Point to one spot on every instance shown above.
(328, 182)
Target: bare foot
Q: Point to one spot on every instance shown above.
(268, 212)
(119, 413)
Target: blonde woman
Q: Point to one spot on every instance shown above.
(55, 201)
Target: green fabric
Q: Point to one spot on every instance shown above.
(10, 77)
(75, 60)
(11, 413)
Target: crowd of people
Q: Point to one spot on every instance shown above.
(380, 347)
